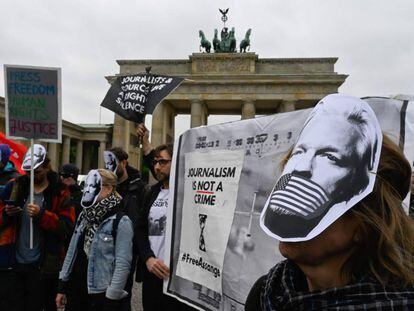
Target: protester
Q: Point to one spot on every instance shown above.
(130, 186)
(7, 169)
(69, 176)
(99, 256)
(7, 173)
(33, 271)
(363, 260)
(150, 233)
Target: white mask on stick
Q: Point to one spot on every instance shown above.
(39, 156)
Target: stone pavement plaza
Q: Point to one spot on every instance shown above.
(136, 303)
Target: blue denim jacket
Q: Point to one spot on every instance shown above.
(109, 263)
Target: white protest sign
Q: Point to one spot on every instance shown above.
(33, 103)
(210, 197)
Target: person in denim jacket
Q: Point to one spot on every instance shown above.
(98, 260)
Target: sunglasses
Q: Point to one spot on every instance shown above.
(161, 162)
(65, 175)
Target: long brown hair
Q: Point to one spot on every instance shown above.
(386, 233)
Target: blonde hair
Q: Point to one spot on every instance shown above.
(109, 178)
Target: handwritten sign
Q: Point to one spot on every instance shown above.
(132, 97)
(33, 103)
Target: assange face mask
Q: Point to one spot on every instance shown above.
(110, 160)
(39, 156)
(91, 189)
(331, 168)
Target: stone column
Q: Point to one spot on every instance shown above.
(102, 147)
(204, 118)
(79, 154)
(86, 159)
(118, 132)
(248, 109)
(168, 123)
(52, 153)
(158, 125)
(196, 113)
(287, 105)
(127, 134)
(66, 150)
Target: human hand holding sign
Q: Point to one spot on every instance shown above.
(33, 210)
(143, 134)
(157, 267)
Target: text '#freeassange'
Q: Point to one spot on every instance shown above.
(200, 263)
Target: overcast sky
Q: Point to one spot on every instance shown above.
(373, 39)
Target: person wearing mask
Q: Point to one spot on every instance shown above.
(98, 261)
(33, 278)
(358, 254)
(130, 186)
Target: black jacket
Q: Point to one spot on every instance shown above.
(150, 194)
(141, 231)
(131, 191)
(75, 198)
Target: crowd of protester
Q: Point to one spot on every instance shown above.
(89, 245)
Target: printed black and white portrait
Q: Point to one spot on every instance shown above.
(331, 167)
(157, 218)
(110, 160)
(240, 241)
(39, 156)
(91, 189)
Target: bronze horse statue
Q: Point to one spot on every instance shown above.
(204, 42)
(216, 42)
(245, 43)
(232, 39)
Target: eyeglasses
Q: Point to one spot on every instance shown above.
(161, 162)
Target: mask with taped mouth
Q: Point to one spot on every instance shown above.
(91, 189)
(39, 156)
(110, 160)
(331, 168)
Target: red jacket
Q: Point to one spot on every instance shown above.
(55, 220)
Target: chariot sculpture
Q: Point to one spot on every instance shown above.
(227, 41)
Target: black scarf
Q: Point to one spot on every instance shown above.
(286, 289)
(93, 217)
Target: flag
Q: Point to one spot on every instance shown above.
(132, 97)
(297, 195)
(18, 151)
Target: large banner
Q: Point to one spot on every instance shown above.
(221, 178)
(33, 103)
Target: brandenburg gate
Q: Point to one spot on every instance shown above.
(215, 83)
(229, 83)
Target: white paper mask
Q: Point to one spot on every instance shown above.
(110, 160)
(39, 156)
(332, 167)
(91, 189)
